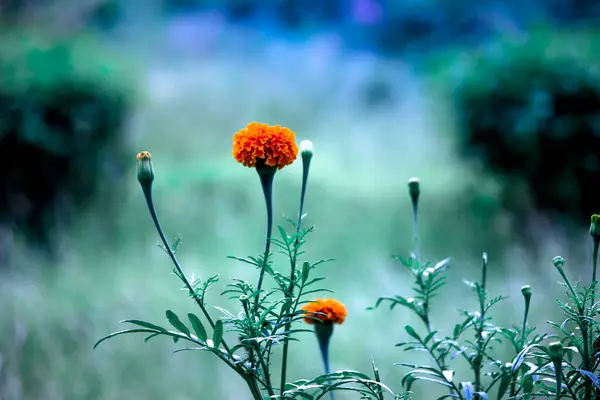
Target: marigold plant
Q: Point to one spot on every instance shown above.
(531, 365)
(246, 339)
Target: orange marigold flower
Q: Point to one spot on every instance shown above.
(334, 311)
(276, 145)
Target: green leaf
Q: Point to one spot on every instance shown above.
(198, 327)
(305, 271)
(176, 322)
(429, 336)
(284, 235)
(122, 333)
(144, 324)
(218, 333)
(411, 331)
(504, 384)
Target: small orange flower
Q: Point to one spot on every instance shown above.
(276, 145)
(334, 310)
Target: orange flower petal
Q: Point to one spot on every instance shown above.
(275, 145)
(334, 310)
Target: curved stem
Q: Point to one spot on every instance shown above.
(148, 195)
(290, 291)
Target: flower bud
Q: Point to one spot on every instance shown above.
(526, 290)
(414, 189)
(559, 262)
(556, 351)
(306, 148)
(145, 170)
(595, 227)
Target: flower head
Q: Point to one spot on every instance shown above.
(414, 189)
(335, 312)
(145, 170)
(275, 146)
(595, 226)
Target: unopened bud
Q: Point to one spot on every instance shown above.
(526, 290)
(559, 262)
(306, 148)
(556, 351)
(145, 170)
(413, 189)
(595, 227)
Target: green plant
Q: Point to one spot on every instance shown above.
(266, 318)
(565, 368)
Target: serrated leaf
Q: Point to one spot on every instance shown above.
(218, 333)
(198, 327)
(176, 322)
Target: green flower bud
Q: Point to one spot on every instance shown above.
(306, 148)
(559, 262)
(413, 189)
(595, 227)
(526, 290)
(145, 170)
(556, 351)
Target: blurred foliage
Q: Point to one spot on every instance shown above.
(528, 108)
(62, 107)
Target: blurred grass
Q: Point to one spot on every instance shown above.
(53, 314)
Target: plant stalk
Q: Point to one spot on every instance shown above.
(290, 291)
(266, 175)
(149, 201)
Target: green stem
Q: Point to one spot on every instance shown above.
(594, 268)
(149, 201)
(525, 315)
(263, 365)
(558, 375)
(266, 175)
(290, 291)
(477, 363)
(415, 207)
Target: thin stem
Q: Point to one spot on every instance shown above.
(266, 180)
(290, 291)
(573, 395)
(525, 314)
(415, 207)
(481, 292)
(594, 267)
(148, 195)
(442, 367)
(263, 365)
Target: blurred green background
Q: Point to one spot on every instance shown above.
(470, 105)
